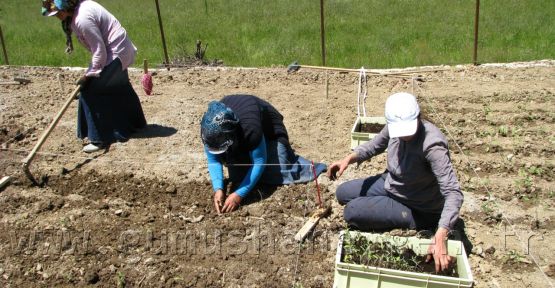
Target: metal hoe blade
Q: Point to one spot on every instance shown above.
(293, 67)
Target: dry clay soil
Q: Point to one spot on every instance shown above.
(140, 213)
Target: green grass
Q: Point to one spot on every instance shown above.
(371, 33)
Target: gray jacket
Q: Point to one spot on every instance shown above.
(420, 172)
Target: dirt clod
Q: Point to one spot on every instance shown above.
(91, 277)
(171, 189)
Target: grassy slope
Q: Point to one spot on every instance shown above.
(370, 33)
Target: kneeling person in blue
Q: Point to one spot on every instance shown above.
(247, 134)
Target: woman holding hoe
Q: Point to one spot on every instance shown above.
(109, 108)
(419, 189)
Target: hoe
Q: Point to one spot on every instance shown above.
(27, 161)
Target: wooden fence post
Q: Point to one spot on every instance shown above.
(4, 47)
(166, 61)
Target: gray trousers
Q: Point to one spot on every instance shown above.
(369, 207)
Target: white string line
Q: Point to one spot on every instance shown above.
(358, 93)
(138, 161)
(525, 248)
(362, 91)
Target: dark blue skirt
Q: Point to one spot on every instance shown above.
(109, 109)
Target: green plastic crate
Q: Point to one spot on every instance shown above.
(355, 276)
(358, 138)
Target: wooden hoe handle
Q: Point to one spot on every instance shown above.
(45, 134)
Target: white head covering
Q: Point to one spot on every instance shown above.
(401, 114)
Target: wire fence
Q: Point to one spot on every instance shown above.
(377, 33)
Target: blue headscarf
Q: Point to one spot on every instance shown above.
(217, 128)
(53, 5)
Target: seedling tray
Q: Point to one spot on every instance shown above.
(358, 137)
(353, 275)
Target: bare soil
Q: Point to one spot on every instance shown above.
(140, 213)
(370, 127)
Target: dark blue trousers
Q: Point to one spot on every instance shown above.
(369, 207)
(283, 166)
(109, 109)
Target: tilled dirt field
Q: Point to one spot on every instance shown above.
(140, 213)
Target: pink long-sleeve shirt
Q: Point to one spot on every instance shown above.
(102, 34)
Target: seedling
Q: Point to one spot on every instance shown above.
(69, 277)
(506, 131)
(485, 133)
(487, 207)
(487, 110)
(121, 279)
(513, 256)
(515, 132)
(404, 256)
(538, 171)
(503, 131)
(64, 222)
(526, 187)
(358, 249)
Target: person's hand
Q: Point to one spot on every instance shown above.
(231, 203)
(83, 80)
(336, 169)
(219, 198)
(438, 250)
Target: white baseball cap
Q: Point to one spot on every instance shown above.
(401, 114)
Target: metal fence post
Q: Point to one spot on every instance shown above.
(323, 44)
(322, 33)
(476, 20)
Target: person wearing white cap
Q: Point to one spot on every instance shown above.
(419, 189)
